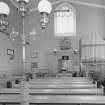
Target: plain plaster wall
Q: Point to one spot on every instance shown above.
(6, 65)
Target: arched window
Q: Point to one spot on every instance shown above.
(65, 20)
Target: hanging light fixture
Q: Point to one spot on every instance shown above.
(4, 12)
(45, 8)
(23, 7)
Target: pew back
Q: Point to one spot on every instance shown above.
(63, 86)
(13, 91)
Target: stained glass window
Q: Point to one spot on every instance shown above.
(65, 20)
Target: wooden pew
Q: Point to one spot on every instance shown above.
(11, 98)
(63, 83)
(29, 98)
(65, 80)
(10, 91)
(60, 81)
(18, 98)
(63, 86)
(93, 91)
(69, 78)
(55, 99)
(68, 99)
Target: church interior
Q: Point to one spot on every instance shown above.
(52, 52)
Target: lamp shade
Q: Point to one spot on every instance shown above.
(45, 6)
(4, 8)
(24, 1)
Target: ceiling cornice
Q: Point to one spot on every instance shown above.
(70, 1)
